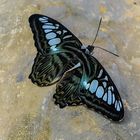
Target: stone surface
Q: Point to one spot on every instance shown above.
(27, 112)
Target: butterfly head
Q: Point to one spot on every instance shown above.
(87, 49)
(90, 48)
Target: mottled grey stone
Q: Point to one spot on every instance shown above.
(27, 112)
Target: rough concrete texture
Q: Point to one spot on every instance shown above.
(27, 112)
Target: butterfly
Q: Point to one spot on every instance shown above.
(81, 80)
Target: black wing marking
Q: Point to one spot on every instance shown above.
(96, 90)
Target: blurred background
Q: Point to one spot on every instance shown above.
(27, 112)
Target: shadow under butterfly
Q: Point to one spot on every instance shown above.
(80, 78)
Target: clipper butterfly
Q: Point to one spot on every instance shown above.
(81, 79)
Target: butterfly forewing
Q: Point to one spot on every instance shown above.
(51, 61)
(102, 94)
(50, 35)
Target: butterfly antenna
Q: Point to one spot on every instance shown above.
(106, 51)
(96, 38)
(97, 31)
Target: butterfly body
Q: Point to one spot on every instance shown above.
(81, 78)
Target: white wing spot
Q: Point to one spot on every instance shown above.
(86, 85)
(50, 35)
(53, 48)
(54, 41)
(109, 97)
(57, 25)
(116, 104)
(43, 19)
(47, 31)
(112, 88)
(48, 27)
(120, 104)
(118, 107)
(105, 97)
(100, 92)
(104, 84)
(68, 36)
(93, 86)
(64, 31)
(49, 24)
(106, 78)
(109, 87)
(59, 32)
(100, 73)
(113, 98)
(77, 65)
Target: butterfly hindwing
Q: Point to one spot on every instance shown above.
(67, 90)
(48, 69)
(97, 91)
